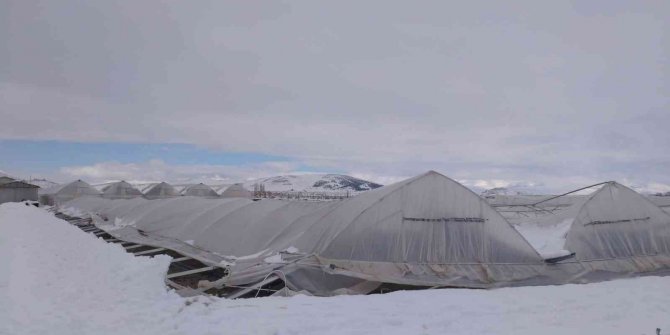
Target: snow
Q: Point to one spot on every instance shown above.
(113, 225)
(547, 240)
(74, 212)
(273, 259)
(56, 279)
(292, 250)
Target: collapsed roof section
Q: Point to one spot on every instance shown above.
(613, 232)
(427, 230)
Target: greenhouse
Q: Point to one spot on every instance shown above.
(427, 231)
(120, 190)
(59, 194)
(199, 190)
(613, 231)
(160, 191)
(12, 190)
(236, 191)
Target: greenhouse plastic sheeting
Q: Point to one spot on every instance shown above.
(120, 190)
(428, 230)
(199, 190)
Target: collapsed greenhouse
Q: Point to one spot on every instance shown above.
(614, 230)
(427, 231)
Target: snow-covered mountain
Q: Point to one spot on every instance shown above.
(501, 191)
(313, 183)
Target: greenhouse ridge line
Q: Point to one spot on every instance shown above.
(558, 196)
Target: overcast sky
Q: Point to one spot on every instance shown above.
(545, 94)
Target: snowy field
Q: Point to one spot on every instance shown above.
(56, 279)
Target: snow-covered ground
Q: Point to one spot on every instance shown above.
(56, 279)
(549, 241)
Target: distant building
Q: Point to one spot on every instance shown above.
(12, 190)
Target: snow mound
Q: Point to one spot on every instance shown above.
(56, 279)
(549, 241)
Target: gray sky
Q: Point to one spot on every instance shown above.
(552, 94)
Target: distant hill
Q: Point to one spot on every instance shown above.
(313, 183)
(501, 191)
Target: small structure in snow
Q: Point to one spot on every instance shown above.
(12, 190)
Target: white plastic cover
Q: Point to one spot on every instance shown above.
(199, 190)
(120, 190)
(613, 231)
(617, 222)
(160, 191)
(428, 230)
(236, 191)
